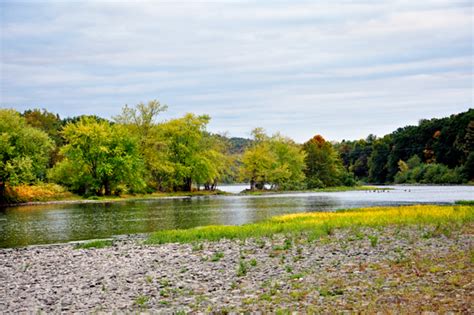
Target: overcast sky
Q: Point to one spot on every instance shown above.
(342, 69)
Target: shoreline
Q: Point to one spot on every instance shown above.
(409, 268)
(184, 195)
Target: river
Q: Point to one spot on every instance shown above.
(56, 223)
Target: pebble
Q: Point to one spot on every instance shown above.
(323, 276)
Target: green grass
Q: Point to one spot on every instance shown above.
(94, 244)
(320, 224)
(217, 256)
(242, 269)
(141, 300)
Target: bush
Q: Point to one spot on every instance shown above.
(431, 174)
(38, 192)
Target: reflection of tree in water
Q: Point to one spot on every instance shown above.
(191, 212)
(322, 203)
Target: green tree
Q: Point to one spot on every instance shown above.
(323, 165)
(275, 160)
(99, 158)
(258, 163)
(24, 151)
(141, 119)
(185, 154)
(378, 161)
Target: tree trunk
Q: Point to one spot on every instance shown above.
(3, 190)
(107, 189)
(252, 184)
(188, 184)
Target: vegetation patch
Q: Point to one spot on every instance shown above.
(94, 244)
(322, 223)
(39, 192)
(465, 202)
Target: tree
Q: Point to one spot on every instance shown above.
(141, 119)
(24, 151)
(378, 161)
(99, 158)
(323, 165)
(49, 123)
(258, 163)
(275, 160)
(184, 153)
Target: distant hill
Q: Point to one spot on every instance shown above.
(238, 145)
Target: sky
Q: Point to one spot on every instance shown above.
(342, 69)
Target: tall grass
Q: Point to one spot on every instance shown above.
(322, 223)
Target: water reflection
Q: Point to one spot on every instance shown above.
(42, 224)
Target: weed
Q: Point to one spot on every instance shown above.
(260, 243)
(197, 247)
(253, 262)
(320, 224)
(141, 300)
(217, 256)
(94, 244)
(296, 276)
(287, 244)
(242, 269)
(328, 292)
(373, 240)
(265, 297)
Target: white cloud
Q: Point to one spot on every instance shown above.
(295, 65)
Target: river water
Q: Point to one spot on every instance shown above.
(46, 224)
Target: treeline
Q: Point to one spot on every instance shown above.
(439, 151)
(136, 153)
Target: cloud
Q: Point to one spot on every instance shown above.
(294, 66)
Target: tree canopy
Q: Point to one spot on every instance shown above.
(98, 158)
(24, 151)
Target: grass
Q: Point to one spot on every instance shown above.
(141, 300)
(242, 269)
(320, 224)
(94, 244)
(217, 256)
(373, 240)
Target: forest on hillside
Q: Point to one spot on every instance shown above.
(135, 152)
(435, 151)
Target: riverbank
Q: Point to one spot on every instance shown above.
(408, 269)
(422, 265)
(75, 199)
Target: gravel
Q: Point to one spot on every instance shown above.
(408, 269)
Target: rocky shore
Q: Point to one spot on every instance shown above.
(401, 269)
